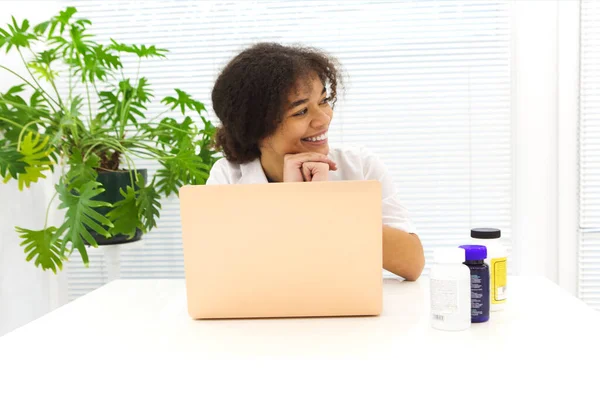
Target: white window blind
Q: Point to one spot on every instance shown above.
(589, 156)
(428, 90)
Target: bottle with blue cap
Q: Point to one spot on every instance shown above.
(475, 256)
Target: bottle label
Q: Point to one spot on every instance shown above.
(498, 280)
(480, 292)
(444, 298)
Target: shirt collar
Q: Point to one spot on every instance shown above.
(252, 173)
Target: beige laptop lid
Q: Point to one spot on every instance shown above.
(283, 250)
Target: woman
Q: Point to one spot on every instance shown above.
(275, 104)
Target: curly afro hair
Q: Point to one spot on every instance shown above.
(251, 93)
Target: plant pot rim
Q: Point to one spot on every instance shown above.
(121, 171)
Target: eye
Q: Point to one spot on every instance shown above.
(301, 113)
(325, 100)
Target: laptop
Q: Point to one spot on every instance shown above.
(282, 250)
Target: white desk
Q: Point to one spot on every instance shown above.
(138, 332)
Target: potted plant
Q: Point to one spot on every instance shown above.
(94, 128)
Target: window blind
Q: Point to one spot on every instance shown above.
(589, 156)
(428, 89)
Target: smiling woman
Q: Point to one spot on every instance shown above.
(275, 104)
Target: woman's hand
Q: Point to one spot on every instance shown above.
(307, 166)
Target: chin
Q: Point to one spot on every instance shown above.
(322, 148)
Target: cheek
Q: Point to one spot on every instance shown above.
(291, 133)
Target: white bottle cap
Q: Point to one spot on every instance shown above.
(447, 255)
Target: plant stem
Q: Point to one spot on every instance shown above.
(96, 88)
(11, 122)
(23, 130)
(137, 75)
(111, 145)
(26, 107)
(57, 94)
(48, 209)
(19, 76)
(70, 99)
(38, 84)
(87, 89)
(123, 119)
(50, 80)
(157, 116)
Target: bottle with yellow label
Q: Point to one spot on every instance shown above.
(496, 258)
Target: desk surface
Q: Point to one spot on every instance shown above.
(138, 331)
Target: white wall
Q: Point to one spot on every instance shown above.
(26, 292)
(535, 137)
(546, 59)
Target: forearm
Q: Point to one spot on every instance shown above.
(402, 253)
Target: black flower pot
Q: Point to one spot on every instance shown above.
(113, 182)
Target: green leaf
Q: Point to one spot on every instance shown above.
(106, 58)
(75, 108)
(16, 112)
(79, 40)
(41, 27)
(11, 162)
(41, 64)
(35, 155)
(79, 45)
(183, 169)
(170, 132)
(92, 69)
(81, 215)
(15, 90)
(141, 51)
(38, 101)
(19, 37)
(143, 92)
(168, 181)
(63, 19)
(183, 101)
(82, 171)
(112, 105)
(194, 171)
(43, 71)
(44, 247)
(124, 214)
(148, 203)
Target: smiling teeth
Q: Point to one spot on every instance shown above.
(317, 138)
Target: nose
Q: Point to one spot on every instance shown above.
(321, 118)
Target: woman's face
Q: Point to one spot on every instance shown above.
(305, 121)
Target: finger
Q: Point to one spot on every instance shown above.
(306, 173)
(318, 171)
(300, 158)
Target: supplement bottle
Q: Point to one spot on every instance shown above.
(480, 282)
(496, 259)
(450, 285)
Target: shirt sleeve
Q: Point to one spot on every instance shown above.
(218, 173)
(394, 214)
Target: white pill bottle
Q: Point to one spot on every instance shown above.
(497, 261)
(450, 285)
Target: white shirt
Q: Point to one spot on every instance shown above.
(352, 164)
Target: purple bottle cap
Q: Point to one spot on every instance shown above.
(474, 252)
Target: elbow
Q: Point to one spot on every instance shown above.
(416, 264)
(402, 253)
(414, 271)
(411, 268)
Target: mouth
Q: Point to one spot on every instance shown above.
(317, 138)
